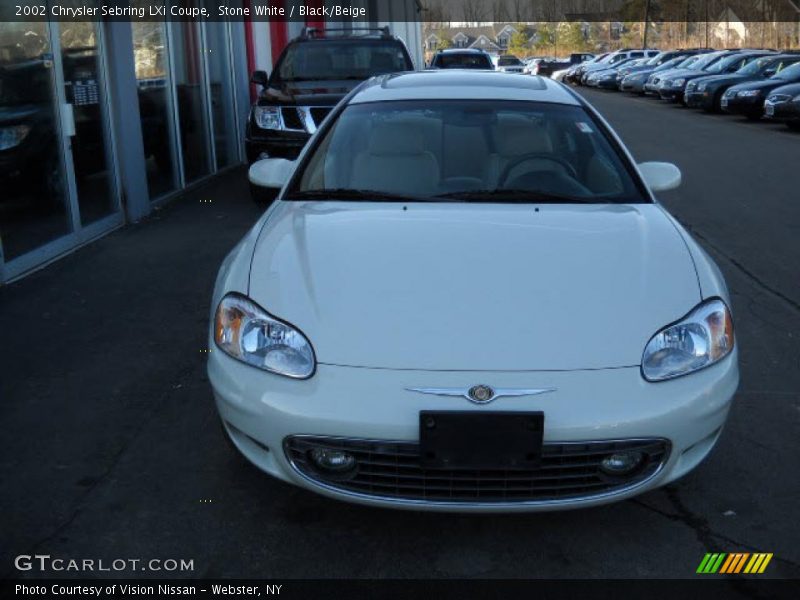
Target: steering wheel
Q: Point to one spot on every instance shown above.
(535, 155)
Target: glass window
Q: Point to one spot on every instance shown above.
(190, 93)
(34, 207)
(151, 60)
(83, 88)
(226, 141)
(332, 60)
(470, 150)
(464, 60)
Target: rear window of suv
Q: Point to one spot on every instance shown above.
(341, 59)
(462, 61)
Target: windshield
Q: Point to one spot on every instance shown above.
(339, 59)
(790, 73)
(466, 150)
(721, 65)
(756, 66)
(704, 61)
(670, 64)
(508, 61)
(464, 60)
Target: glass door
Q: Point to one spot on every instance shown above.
(34, 206)
(57, 168)
(92, 159)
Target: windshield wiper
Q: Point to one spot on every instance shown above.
(355, 194)
(511, 195)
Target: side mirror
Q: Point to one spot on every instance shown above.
(770, 72)
(259, 78)
(267, 177)
(660, 176)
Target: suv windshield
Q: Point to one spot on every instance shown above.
(320, 60)
(466, 150)
(463, 60)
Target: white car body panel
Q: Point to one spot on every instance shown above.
(503, 287)
(396, 296)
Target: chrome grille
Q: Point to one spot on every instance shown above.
(318, 113)
(292, 118)
(779, 98)
(393, 471)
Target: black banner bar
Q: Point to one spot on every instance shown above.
(445, 12)
(701, 587)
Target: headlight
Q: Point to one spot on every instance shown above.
(701, 87)
(796, 98)
(267, 117)
(700, 339)
(748, 93)
(678, 83)
(13, 136)
(245, 331)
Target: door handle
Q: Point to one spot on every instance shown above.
(67, 120)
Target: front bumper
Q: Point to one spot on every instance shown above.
(261, 411)
(274, 144)
(783, 111)
(743, 106)
(632, 85)
(670, 94)
(697, 99)
(608, 84)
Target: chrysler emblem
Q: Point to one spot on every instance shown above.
(481, 394)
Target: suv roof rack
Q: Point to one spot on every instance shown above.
(315, 32)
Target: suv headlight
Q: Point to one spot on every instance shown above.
(748, 93)
(245, 331)
(678, 82)
(13, 136)
(700, 339)
(701, 87)
(267, 117)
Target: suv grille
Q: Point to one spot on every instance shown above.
(318, 113)
(296, 117)
(292, 119)
(392, 470)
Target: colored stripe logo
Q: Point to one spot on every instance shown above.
(735, 562)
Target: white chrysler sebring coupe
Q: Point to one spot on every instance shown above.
(466, 297)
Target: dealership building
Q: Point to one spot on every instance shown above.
(100, 122)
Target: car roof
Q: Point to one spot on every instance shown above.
(458, 84)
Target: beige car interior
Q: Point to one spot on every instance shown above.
(406, 154)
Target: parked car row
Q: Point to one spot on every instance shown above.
(753, 82)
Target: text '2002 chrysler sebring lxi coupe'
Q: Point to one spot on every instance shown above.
(466, 297)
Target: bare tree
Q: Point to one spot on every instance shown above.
(475, 11)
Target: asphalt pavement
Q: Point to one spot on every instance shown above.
(111, 446)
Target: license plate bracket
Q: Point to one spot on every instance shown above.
(481, 440)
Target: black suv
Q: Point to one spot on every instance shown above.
(313, 73)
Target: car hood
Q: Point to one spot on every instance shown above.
(793, 89)
(319, 93)
(760, 84)
(726, 79)
(475, 287)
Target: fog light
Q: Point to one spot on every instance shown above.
(332, 461)
(621, 463)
